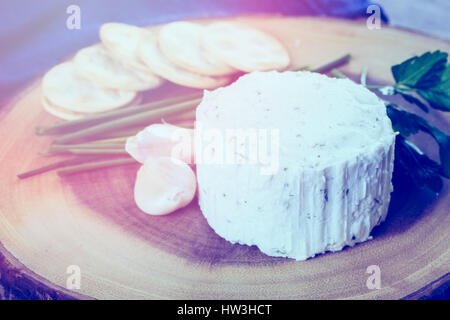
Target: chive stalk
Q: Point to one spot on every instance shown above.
(140, 119)
(94, 166)
(75, 125)
(333, 64)
(56, 165)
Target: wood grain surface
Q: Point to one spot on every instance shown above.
(48, 223)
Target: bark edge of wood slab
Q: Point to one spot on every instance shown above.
(48, 223)
(18, 282)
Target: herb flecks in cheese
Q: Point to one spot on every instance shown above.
(336, 150)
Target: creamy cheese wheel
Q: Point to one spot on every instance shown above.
(321, 178)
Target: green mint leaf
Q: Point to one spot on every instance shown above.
(444, 149)
(437, 99)
(408, 124)
(414, 100)
(421, 72)
(439, 96)
(423, 171)
(404, 122)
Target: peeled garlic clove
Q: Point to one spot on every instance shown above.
(164, 185)
(162, 140)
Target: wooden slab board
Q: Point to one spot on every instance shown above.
(90, 220)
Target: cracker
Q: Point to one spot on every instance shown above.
(65, 114)
(151, 55)
(123, 40)
(244, 48)
(64, 86)
(60, 112)
(180, 42)
(99, 66)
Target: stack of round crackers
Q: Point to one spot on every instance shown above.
(131, 59)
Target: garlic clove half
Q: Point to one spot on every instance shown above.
(164, 185)
(162, 140)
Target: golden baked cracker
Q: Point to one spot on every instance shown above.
(244, 48)
(151, 55)
(123, 41)
(180, 42)
(60, 112)
(97, 64)
(65, 114)
(64, 86)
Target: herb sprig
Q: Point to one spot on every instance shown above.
(425, 82)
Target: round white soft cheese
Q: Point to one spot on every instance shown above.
(321, 178)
